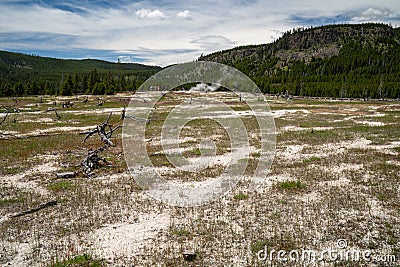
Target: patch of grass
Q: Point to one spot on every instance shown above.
(82, 260)
(192, 153)
(11, 170)
(241, 196)
(64, 185)
(314, 137)
(180, 232)
(275, 216)
(255, 154)
(313, 158)
(11, 201)
(291, 185)
(18, 150)
(258, 245)
(159, 160)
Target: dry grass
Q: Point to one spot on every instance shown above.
(336, 183)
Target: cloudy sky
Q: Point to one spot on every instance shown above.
(162, 32)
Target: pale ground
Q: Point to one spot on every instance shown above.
(125, 226)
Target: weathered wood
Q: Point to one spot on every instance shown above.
(40, 207)
(103, 136)
(91, 162)
(189, 255)
(4, 118)
(63, 175)
(104, 131)
(123, 114)
(67, 104)
(55, 111)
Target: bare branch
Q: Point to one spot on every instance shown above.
(108, 119)
(89, 134)
(103, 136)
(4, 118)
(92, 161)
(42, 206)
(55, 111)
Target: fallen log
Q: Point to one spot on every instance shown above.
(63, 175)
(4, 118)
(40, 207)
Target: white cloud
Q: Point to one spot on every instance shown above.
(184, 15)
(151, 14)
(373, 14)
(210, 43)
(158, 26)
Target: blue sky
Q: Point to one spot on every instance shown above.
(164, 32)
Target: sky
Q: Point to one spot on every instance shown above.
(164, 32)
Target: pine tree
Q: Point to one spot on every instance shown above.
(67, 86)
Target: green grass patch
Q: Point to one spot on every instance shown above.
(180, 232)
(79, 261)
(11, 170)
(312, 159)
(11, 201)
(291, 185)
(64, 185)
(192, 153)
(241, 196)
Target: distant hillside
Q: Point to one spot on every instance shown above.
(24, 74)
(360, 60)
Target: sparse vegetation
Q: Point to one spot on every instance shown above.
(330, 180)
(79, 261)
(312, 159)
(290, 185)
(241, 196)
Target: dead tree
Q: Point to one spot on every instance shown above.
(92, 161)
(100, 102)
(105, 131)
(55, 111)
(123, 114)
(40, 207)
(67, 104)
(5, 117)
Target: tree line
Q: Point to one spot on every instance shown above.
(356, 61)
(93, 82)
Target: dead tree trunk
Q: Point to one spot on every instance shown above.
(5, 117)
(105, 131)
(40, 207)
(55, 111)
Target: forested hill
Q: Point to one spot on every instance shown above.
(22, 74)
(360, 60)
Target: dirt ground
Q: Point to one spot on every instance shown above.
(335, 176)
